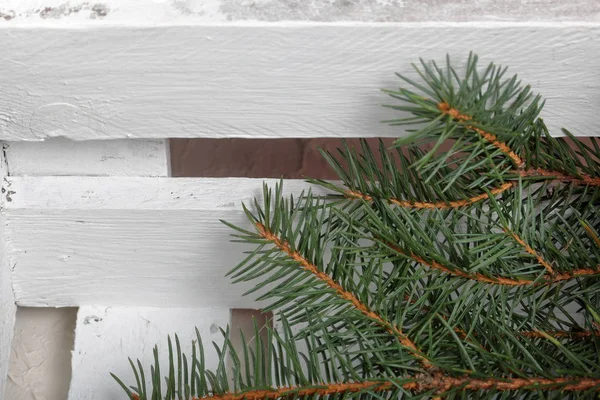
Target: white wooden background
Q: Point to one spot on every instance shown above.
(98, 224)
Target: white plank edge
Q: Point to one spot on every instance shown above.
(269, 81)
(59, 156)
(8, 307)
(133, 193)
(128, 241)
(106, 337)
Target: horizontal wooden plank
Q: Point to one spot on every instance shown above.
(80, 12)
(127, 241)
(268, 80)
(92, 158)
(106, 336)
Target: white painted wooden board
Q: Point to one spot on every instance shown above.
(7, 300)
(107, 336)
(128, 241)
(40, 361)
(81, 12)
(268, 80)
(59, 156)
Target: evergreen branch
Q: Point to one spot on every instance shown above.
(518, 161)
(561, 334)
(440, 205)
(531, 251)
(437, 383)
(344, 294)
(547, 175)
(499, 280)
(445, 383)
(586, 334)
(458, 250)
(490, 137)
(301, 391)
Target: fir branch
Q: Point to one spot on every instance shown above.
(531, 251)
(440, 205)
(490, 137)
(438, 384)
(344, 294)
(427, 274)
(499, 280)
(562, 334)
(547, 175)
(584, 179)
(575, 335)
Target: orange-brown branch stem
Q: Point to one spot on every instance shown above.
(344, 294)
(499, 280)
(531, 251)
(557, 176)
(518, 161)
(353, 194)
(419, 383)
(503, 147)
(561, 334)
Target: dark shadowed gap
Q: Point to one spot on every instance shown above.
(256, 158)
(265, 158)
(247, 322)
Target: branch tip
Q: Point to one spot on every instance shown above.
(490, 137)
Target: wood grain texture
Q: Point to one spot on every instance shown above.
(8, 308)
(59, 156)
(128, 241)
(106, 336)
(268, 80)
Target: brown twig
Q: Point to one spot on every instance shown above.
(344, 294)
(518, 161)
(503, 147)
(354, 194)
(558, 176)
(438, 383)
(498, 280)
(561, 334)
(531, 251)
